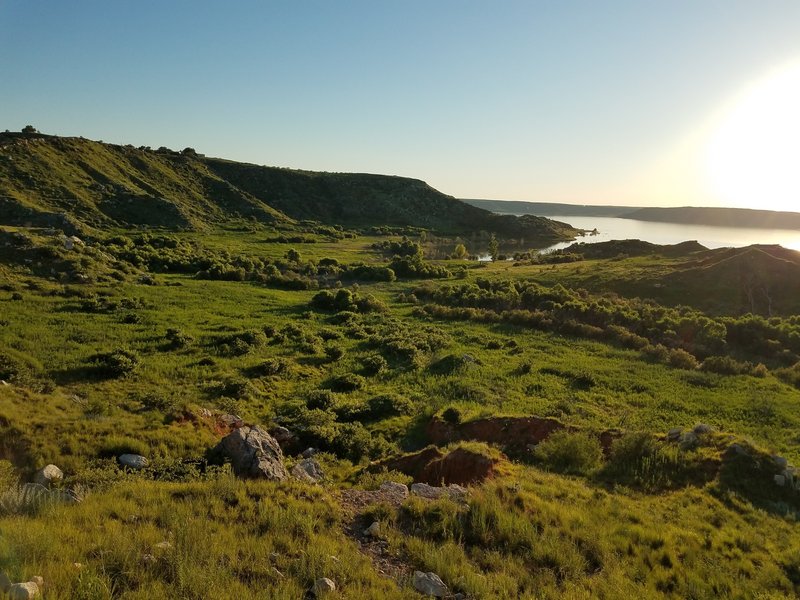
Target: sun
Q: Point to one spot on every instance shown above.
(753, 157)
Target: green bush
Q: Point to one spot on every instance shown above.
(575, 453)
(320, 400)
(349, 382)
(374, 364)
(117, 363)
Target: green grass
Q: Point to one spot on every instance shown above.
(650, 525)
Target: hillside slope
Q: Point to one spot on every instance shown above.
(73, 182)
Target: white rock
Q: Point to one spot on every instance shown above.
(431, 492)
(133, 461)
(780, 480)
(394, 488)
(323, 585)
(309, 452)
(430, 584)
(23, 591)
(373, 530)
(308, 470)
(48, 475)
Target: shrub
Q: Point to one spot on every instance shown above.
(320, 400)
(117, 363)
(271, 367)
(725, 365)
(576, 453)
(374, 364)
(389, 405)
(452, 415)
(334, 352)
(349, 382)
(680, 359)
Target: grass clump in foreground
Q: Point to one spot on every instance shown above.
(222, 538)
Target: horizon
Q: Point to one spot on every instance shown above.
(687, 105)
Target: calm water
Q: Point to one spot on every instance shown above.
(672, 233)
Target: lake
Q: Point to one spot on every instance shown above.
(672, 233)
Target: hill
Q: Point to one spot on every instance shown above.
(720, 217)
(547, 209)
(73, 183)
(686, 215)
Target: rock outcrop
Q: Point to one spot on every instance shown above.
(253, 453)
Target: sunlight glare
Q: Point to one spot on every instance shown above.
(753, 158)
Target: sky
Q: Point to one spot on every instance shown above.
(615, 102)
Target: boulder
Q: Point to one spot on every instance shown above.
(48, 475)
(701, 428)
(674, 434)
(689, 440)
(780, 480)
(431, 492)
(323, 585)
(373, 530)
(308, 470)
(133, 461)
(780, 462)
(23, 591)
(309, 452)
(39, 581)
(395, 489)
(253, 453)
(430, 584)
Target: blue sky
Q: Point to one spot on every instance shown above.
(549, 101)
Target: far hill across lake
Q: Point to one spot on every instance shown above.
(689, 215)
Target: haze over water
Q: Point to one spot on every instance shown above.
(610, 228)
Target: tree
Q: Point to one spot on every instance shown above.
(29, 129)
(494, 248)
(460, 251)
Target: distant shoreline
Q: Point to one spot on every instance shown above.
(686, 215)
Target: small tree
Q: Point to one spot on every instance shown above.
(293, 255)
(494, 248)
(460, 251)
(29, 129)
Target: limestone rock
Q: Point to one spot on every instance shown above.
(308, 470)
(23, 591)
(674, 434)
(309, 452)
(430, 584)
(395, 489)
(48, 475)
(431, 492)
(323, 585)
(133, 461)
(689, 440)
(373, 530)
(253, 453)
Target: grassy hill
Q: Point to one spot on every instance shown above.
(71, 183)
(621, 428)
